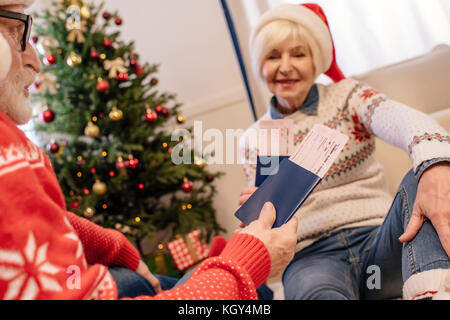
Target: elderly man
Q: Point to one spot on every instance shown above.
(49, 253)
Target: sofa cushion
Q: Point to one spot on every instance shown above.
(421, 82)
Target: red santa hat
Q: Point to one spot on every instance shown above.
(5, 50)
(312, 18)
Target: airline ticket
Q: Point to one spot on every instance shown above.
(319, 149)
(276, 137)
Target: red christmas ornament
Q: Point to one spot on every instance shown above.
(49, 59)
(134, 63)
(139, 71)
(106, 15)
(102, 85)
(154, 81)
(112, 173)
(48, 116)
(95, 55)
(118, 21)
(107, 43)
(133, 163)
(122, 77)
(151, 116)
(210, 178)
(37, 84)
(119, 165)
(165, 112)
(141, 186)
(53, 147)
(159, 109)
(187, 186)
(74, 205)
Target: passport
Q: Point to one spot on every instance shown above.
(277, 143)
(297, 176)
(267, 166)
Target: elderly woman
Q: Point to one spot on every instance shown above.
(354, 240)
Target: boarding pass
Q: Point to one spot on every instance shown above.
(319, 149)
(276, 137)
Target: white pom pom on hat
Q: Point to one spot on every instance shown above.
(313, 19)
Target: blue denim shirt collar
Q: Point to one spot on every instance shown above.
(309, 106)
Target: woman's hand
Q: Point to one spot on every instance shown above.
(143, 270)
(245, 194)
(432, 202)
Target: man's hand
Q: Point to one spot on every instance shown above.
(432, 202)
(143, 270)
(280, 242)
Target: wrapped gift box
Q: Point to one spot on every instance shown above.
(187, 251)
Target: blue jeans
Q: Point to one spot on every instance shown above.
(130, 284)
(366, 262)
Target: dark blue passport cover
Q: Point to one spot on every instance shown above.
(267, 166)
(287, 190)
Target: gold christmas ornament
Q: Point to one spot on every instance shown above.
(116, 114)
(115, 66)
(99, 188)
(60, 151)
(47, 82)
(92, 130)
(89, 212)
(199, 161)
(74, 59)
(85, 13)
(76, 28)
(46, 44)
(181, 119)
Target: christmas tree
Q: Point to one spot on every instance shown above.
(110, 130)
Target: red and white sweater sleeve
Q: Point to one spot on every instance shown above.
(105, 246)
(243, 266)
(415, 132)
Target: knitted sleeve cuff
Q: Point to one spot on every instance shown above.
(128, 256)
(250, 253)
(426, 164)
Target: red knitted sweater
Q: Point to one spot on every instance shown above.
(49, 253)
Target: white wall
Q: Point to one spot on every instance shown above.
(191, 42)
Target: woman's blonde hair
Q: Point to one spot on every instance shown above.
(274, 33)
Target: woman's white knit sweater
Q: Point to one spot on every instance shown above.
(355, 191)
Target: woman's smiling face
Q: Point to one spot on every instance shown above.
(289, 73)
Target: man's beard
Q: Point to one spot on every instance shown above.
(12, 96)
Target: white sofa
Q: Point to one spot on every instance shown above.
(422, 83)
